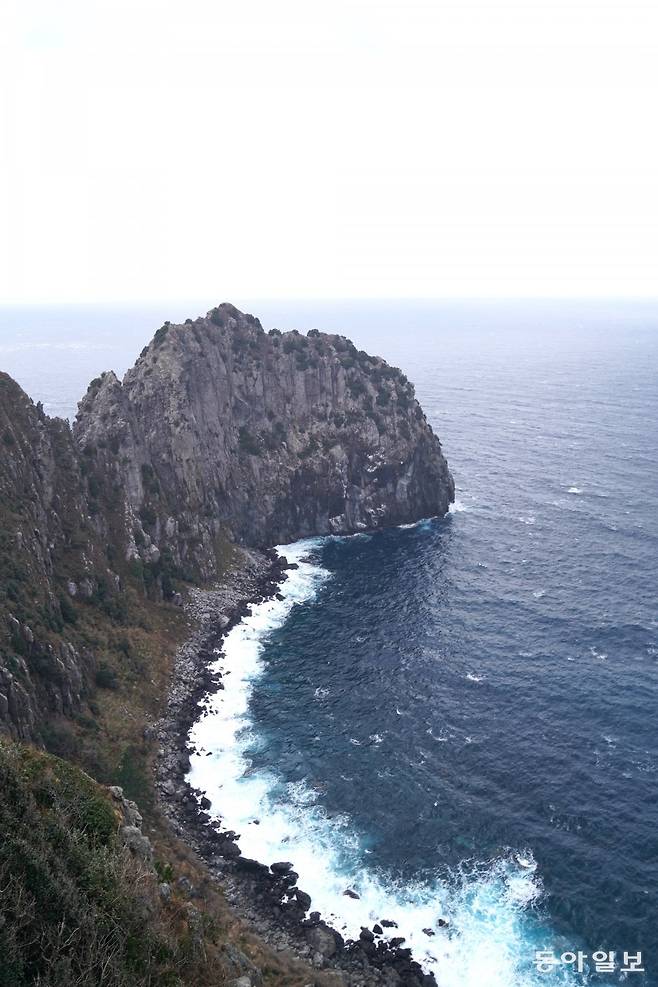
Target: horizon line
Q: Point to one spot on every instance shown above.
(324, 299)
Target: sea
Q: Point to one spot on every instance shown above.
(454, 720)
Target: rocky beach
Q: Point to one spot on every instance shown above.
(266, 896)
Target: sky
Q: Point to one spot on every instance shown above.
(152, 149)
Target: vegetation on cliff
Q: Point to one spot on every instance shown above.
(221, 435)
(77, 906)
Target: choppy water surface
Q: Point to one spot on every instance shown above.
(460, 716)
(457, 720)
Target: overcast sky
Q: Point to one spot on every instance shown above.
(263, 148)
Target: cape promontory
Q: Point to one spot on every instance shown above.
(224, 430)
(222, 434)
(128, 543)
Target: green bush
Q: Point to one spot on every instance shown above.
(161, 334)
(356, 387)
(147, 515)
(69, 613)
(248, 442)
(106, 678)
(76, 907)
(150, 480)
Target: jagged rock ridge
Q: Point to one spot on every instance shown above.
(222, 430)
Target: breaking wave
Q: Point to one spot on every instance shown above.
(476, 925)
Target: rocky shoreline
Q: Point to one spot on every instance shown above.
(267, 898)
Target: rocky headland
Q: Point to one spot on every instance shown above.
(147, 525)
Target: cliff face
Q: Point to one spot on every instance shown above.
(224, 431)
(46, 539)
(221, 433)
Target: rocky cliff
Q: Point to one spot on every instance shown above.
(222, 430)
(47, 540)
(220, 434)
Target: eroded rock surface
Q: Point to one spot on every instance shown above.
(222, 430)
(221, 434)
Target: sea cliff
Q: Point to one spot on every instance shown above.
(224, 430)
(115, 533)
(221, 434)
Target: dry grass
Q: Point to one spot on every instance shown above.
(112, 747)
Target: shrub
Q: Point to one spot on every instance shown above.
(76, 906)
(248, 442)
(356, 387)
(69, 613)
(147, 515)
(106, 678)
(161, 334)
(150, 480)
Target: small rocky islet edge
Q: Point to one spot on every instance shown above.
(222, 439)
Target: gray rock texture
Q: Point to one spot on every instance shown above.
(47, 537)
(220, 435)
(223, 431)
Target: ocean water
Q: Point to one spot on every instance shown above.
(456, 720)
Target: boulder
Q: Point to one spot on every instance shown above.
(303, 899)
(324, 940)
(281, 867)
(137, 843)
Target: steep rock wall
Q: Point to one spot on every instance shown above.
(224, 431)
(221, 433)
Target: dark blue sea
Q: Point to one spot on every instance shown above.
(455, 720)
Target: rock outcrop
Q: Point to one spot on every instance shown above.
(220, 434)
(223, 431)
(49, 552)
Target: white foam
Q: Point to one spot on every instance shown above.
(574, 490)
(457, 507)
(486, 941)
(474, 678)
(424, 522)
